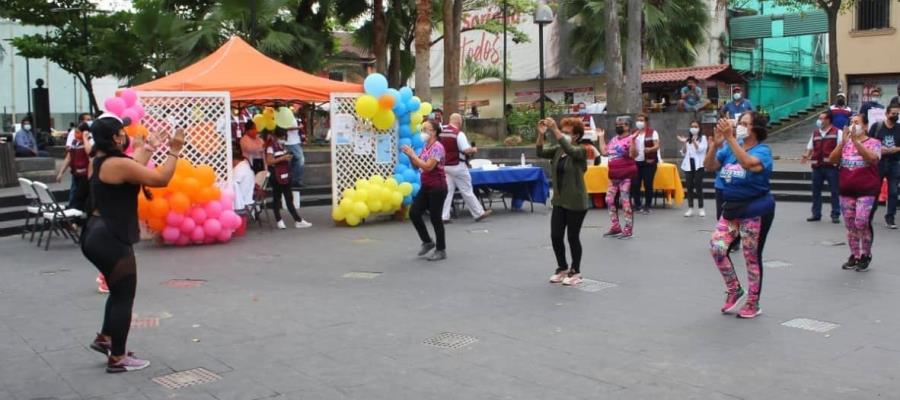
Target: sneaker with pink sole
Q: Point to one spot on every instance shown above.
(102, 287)
(126, 364)
(732, 299)
(751, 308)
(572, 280)
(559, 276)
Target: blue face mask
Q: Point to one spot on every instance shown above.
(819, 123)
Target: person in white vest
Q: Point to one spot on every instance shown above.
(458, 149)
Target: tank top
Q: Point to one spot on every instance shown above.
(117, 205)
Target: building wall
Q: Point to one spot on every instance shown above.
(710, 52)
(868, 58)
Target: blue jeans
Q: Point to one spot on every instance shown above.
(296, 164)
(891, 171)
(819, 176)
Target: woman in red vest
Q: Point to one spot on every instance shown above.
(859, 186)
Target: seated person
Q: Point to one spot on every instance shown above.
(244, 180)
(26, 145)
(692, 96)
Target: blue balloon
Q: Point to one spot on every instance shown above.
(405, 132)
(400, 108)
(409, 175)
(413, 105)
(395, 94)
(405, 94)
(416, 188)
(407, 200)
(406, 142)
(417, 141)
(405, 119)
(399, 178)
(375, 84)
(398, 170)
(403, 159)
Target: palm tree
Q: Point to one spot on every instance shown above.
(615, 85)
(452, 14)
(423, 49)
(473, 72)
(633, 57)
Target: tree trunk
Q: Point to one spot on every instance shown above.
(394, 66)
(379, 37)
(615, 102)
(834, 76)
(633, 59)
(452, 14)
(423, 49)
(88, 83)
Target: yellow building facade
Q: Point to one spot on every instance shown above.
(868, 44)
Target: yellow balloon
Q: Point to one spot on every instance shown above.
(424, 109)
(416, 119)
(346, 205)
(360, 209)
(269, 113)
(361, 195)
(352, 220)
(406, 188)
(337, 214)
(361, 184)
(391, 184)
(384, 119)
(396, 199)
(270, 124)
(284, 118)
(348, 193)
(376, 180)
(366, 106)
(375, 205)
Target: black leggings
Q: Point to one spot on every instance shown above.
(115, 260)
(646, 174)
(694, 190)
(283, 191)
(431, 200)
(566, 222)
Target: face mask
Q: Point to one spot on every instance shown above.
(640, 125)
(741, 132)
(424, 137)
(89, 122)
(857, 130)
(894, 118)
(695, 131)
(26, 127)
(620, 130)
(736, 96)
(819, 123)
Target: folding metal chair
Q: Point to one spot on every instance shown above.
(33, 208)
(57, 220)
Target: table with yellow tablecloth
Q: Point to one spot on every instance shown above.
(667, 180)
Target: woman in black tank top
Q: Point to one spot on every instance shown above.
(112, 227)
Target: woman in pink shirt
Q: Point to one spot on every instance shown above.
(432, 193)
(621, 151)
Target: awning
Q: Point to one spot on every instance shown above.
(476, 103)
(669, 76)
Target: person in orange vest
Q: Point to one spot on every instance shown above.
(824, 139)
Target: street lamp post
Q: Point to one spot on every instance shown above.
(543, 15)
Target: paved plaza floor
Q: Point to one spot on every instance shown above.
(351, 313)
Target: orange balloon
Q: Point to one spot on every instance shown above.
(206, 194)
(143, 207)
(179, 202)
(206, 175)
(386, 102)
(156, 224)
(183, 168)
(141, 130)
(216, 194)
(131, 130)
(176, 184)
(192, 188)
(159, 207)
(159, 192)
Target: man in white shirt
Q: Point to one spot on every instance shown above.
(457, 149)
(824, 139)
(244, 179)
(293, 145)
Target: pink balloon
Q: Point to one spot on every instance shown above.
(140, 110)
(224, 236)
(213, 209)
(212, 227)
(198, 235)
(209, 240)
(183, 240)
(187, 226)
(198, 215)
(230, 220)
(129, 96)
(115, 105)
(170, 234)
(174, 219)
(131, 114)
(227, 195)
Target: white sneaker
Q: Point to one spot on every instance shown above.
(689, 213)
(302, 224)
(280, 225)
(702, 213)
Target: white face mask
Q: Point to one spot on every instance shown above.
(640, 125)
(89, 122)
(858, 130)
(741, 132)
(424, 137)
(26, 127)
(695, 131)
(737, 96)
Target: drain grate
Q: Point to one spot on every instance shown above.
(183, 283)
(811, 325)
(592, 286)
(776, 264)
(362, 275)
(191, 377)
(449, 340)
(146, 322)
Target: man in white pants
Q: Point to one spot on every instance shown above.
(457, 149)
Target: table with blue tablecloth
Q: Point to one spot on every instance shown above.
(521, 183)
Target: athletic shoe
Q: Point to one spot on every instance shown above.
(863, 264)
(750, 310)
(813, 219)
(645, 211)
(851, 263)
(102, 287)
(613, 233)
(891, 224)
(302, 224)
(689, 213)
(280, 224)
(426, 247)
(572, 280)
(438, 255)
(702, 213)
(559, 276)
(101, 345)
(625, 236)
(835, 220)
(485, 214)
(126, 364)
(731, 300)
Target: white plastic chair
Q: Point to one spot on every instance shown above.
(33, 208)
(57, 220)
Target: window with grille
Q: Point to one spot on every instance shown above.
(873, 14)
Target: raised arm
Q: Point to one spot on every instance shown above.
(539, 143)
(124, 170)
(418, 162)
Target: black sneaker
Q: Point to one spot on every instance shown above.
(835, 220)
(863, 264)
(851, 263)
(813, 219)
(890, 223)
(426, 247)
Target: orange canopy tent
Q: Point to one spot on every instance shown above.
(250, 77)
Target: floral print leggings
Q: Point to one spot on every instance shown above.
(622, 187)
(752, 233)
(858, 213)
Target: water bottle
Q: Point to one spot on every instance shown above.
(522, 160)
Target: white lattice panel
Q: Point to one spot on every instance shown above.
(346, 166)
(206, 119)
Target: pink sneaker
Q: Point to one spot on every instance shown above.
(731, 300)
(126, 364)
(559, 276)
(572, 280)
(751, 309)
(101, 284)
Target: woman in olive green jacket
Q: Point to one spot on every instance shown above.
(570, 200)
